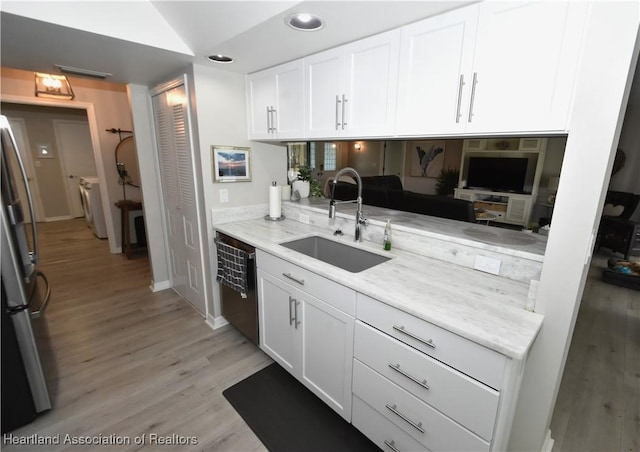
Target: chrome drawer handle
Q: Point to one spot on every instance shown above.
(393, 409)
(427, 342)
(391, 445)
(397, 368)
(473, 95)
(293, 278)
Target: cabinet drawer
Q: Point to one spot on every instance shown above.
(468, 357)
(470, 403)
(422, 422)
(337, 295)
(385, 434)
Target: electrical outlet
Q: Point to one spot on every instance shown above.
(487, 264)
(224, 195)
(304, 218)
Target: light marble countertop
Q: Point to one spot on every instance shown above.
(472, 304)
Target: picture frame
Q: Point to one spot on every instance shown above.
(231, 163)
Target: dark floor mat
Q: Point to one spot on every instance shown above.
(286, 416)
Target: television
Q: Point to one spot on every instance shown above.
(497, 173)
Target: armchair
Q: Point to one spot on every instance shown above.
(616, 231)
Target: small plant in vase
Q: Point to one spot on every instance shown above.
(447, 181)
(302, 184)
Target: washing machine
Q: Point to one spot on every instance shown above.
(92, 204)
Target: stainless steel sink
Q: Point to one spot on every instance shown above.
(346, 257)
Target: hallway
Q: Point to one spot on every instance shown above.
(127, 361)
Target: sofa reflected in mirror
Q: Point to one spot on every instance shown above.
(388, 192)
(617, 232)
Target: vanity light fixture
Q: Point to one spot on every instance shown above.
(53, 86)
(304, 22)
(220, 58)
(357, 146)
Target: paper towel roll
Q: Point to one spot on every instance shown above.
(275, 202)
(286, 192)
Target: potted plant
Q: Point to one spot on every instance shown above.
(302, 183)
(447, 181)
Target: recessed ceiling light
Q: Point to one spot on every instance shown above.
(304, 22)
(220, 58)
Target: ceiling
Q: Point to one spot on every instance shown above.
(144, 42)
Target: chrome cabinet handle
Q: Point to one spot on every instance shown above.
(274, 119)
(394, 410)
(460, 85)
(293, 278)
(291, 317)
(473, 94)
(295, 310)
(338, 101)
(397, 368)
(268, 119)
(391, 445)
(427, 342)
(344, 106)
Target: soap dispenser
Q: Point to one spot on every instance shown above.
(387, 236)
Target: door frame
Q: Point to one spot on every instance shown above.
(97, 150)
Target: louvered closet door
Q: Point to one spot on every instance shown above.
(178, 188)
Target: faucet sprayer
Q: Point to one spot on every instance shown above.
(360, 219)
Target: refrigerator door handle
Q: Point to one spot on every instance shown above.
(40, 311)
(32, 212)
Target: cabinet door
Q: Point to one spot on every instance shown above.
(435, 73)
(372, 73)
(327, 352)
(525, 62)
(276, 313)
(261, 96)
(324, 82)
(518, 211)
(289, 109)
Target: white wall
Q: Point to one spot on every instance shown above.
(603, 82)
(221, 120)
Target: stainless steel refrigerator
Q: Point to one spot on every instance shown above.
(25, 294)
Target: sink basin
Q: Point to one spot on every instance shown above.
(346, 257)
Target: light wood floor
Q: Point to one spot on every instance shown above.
(598, 406)
(130, 362)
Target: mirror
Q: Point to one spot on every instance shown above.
(127, 162)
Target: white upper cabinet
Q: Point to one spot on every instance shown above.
(351, 90)
(436, 58)
(491, 68)
(275, 102)
(525, 62)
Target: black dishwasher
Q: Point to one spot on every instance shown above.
(241, 312)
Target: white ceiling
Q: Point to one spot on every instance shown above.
(146, 41)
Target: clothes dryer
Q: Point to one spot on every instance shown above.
(92, 204)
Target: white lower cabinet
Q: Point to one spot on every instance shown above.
(414, 382)
(407, 384)
(310, 337)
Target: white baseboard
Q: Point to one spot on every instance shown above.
(548, 443)
(60, 218)
(216, 322)
(158, 286)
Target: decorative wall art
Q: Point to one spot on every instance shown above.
(231, 164)
(427, 158)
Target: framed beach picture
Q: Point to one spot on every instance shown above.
(231, 164)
